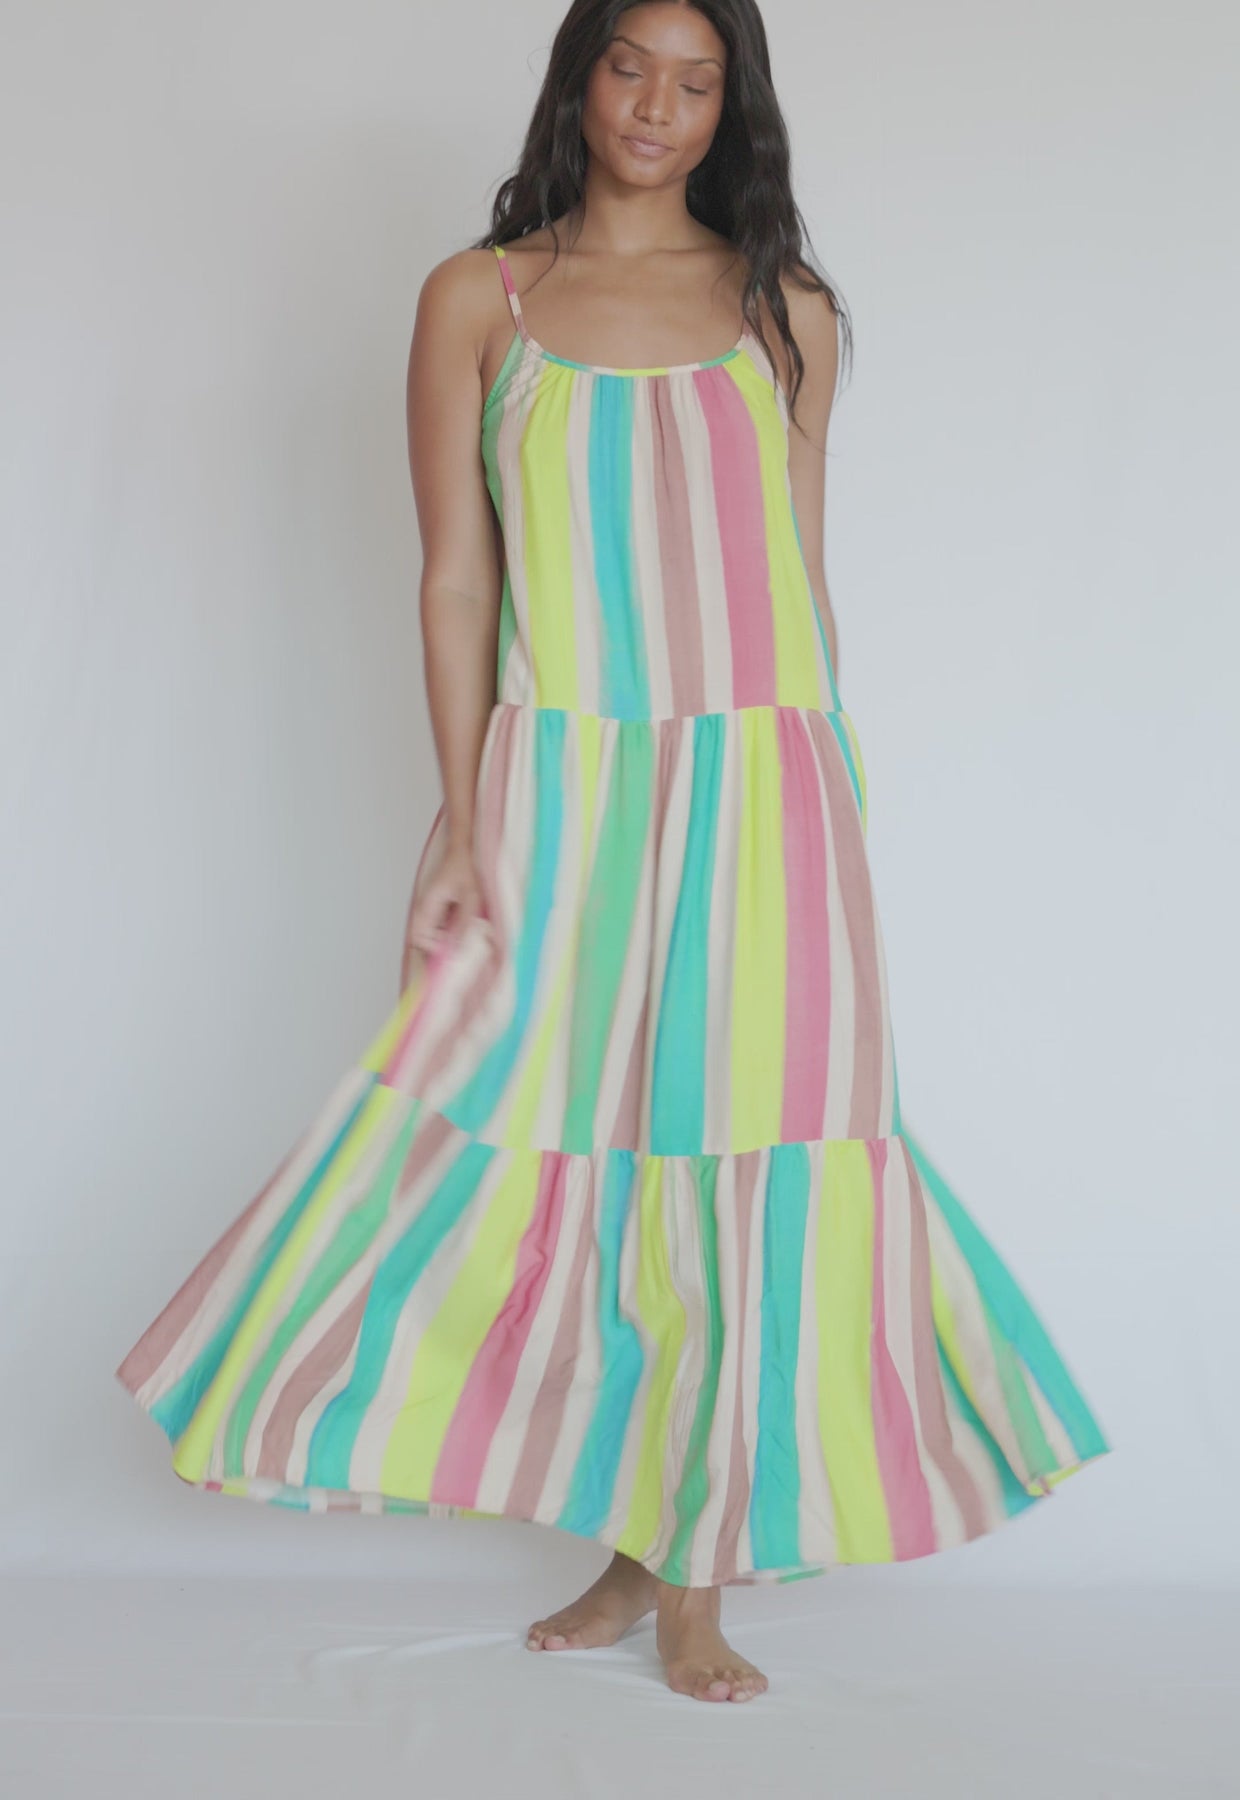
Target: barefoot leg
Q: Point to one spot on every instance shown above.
(623, 1594)
(698, 1658)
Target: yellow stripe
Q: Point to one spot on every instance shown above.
(547, 509)
(449, 1342)
(661, 1318)
(519, 1127)
(383, 1107)
(797, 652)
(845, 1282)
(760, 947)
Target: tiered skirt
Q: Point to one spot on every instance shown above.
(615, 1225)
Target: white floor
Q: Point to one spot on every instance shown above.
(196, 1688)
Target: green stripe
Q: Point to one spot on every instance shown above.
(607, 925)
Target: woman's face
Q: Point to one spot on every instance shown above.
(654, 97)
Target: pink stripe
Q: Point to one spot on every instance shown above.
(737, 473)
(904, 1482)
(488, 1386)
(865, 1119)
(807, 1003)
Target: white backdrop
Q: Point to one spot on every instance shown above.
(216, 763)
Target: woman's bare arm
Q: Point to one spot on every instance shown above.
(459, 596)
(816, 330)
(460, 584)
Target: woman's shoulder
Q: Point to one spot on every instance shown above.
(459, 277)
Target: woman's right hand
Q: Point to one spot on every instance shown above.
(441, 908)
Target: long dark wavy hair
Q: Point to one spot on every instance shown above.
(742, 188)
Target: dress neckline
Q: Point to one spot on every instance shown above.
(570, 362)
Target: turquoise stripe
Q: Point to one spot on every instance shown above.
(474, 1103)
(1015, 1317)
(607, 925)
(774, 1507)
(333, 1438)
(174, 1410)
(588, 1505)
(691, 1495)
(841, 734)
(623, 679)
(678, 1097)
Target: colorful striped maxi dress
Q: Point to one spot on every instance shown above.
(616, 1224)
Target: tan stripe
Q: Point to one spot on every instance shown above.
(933, 1422)
(306, 1384)
(869, 1027)
(546, 1413)
(680, 624)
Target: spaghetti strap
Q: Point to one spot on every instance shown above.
(510, 289)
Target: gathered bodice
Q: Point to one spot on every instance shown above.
(652, 560)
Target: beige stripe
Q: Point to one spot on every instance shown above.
(819, 1543)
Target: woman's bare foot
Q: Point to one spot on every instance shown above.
(623, 1594)
(698, 1658)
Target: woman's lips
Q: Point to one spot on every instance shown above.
(646, 147)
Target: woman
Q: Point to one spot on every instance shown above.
(616, 1225)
